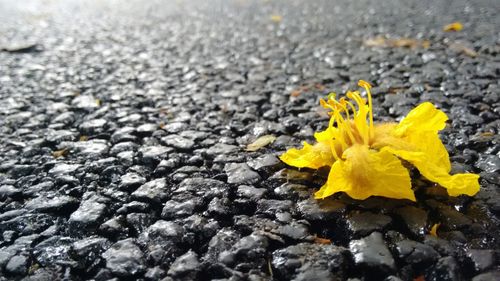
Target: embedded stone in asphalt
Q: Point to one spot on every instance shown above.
(372, 252)
(153, 191)
(313, 261)
(125, 258)
(364, 223)
(17, 265)
(88, 215)
(64, 168)
(240, 173)
(414, 218)
(185, 266)
(416, 253)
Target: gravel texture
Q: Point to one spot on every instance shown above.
(123, 128)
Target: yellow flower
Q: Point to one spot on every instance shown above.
(365, 158)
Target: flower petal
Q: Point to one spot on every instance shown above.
(383, 136)
(427, 142)
(430, 144)
(455, 184)
(367, 173)
(310, 156)
(326, 135)
(425, 117)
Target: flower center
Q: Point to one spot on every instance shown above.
(351, 120)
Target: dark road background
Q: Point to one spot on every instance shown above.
(124, 127)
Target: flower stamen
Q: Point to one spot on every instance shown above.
(367, 87)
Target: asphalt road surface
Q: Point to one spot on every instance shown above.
(124, 127)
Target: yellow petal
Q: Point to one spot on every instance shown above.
(367, 173)
(325, 135)
(383, 136)
(455, 184)
(310, 156)
(434, 229)
(427, 142)
(276, 18)
(455, 26)
(425, 117)
(430, 144)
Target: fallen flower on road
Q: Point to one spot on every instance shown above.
(365, 158)
(455, 26)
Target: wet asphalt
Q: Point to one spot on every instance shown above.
(124, 127)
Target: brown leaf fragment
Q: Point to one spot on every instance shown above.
(299, 90)
(419, 278)
(60, 153)
(411, 43)
(469, 52)
(487, 134)
(461, 48)
(378, 41)
(84, 138)
(261, 142)
(426, 44)
(396, 90)
(319, 240)
(320, 87)
(404, 42)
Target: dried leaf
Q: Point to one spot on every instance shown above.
(98, 102)
(396, 90)
(378, 41)
(261, 142)
(419, 278)
(298, 91)
(276, 18)
(454, 26)
(404, 42)
(84, 138)
(60, 153)
(434, 229)
(320, 87)
(319, 240)
(396, 43)
(487, 134)
(459, 47)
(426, 44)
